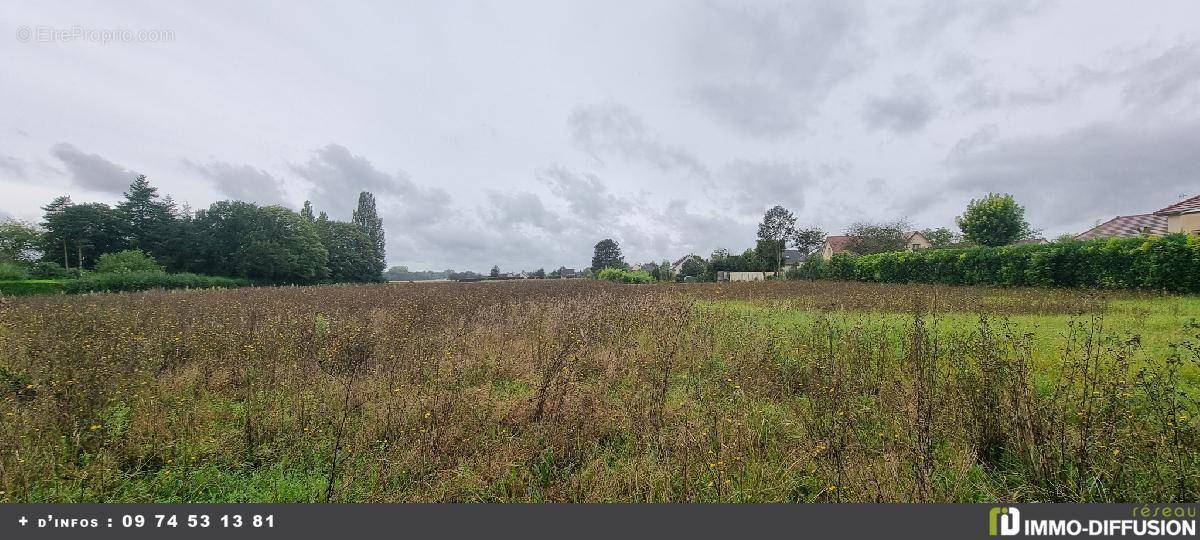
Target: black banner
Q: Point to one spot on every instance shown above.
(621, 521)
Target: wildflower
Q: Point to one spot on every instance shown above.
(94, 427)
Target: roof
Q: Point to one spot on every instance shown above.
(793, 256)
(1138, 225)
(838, 244)
(1186, 206)
(910, 234)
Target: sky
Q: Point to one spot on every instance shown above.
(520, 133)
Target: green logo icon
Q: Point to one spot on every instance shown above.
(1004, 521)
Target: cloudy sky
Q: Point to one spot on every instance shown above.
(520, 133)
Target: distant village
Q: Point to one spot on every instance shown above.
(1181, 217)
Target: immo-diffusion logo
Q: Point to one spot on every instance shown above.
(1004, 521)
(1147, 521)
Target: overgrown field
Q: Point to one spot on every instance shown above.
(591, 391)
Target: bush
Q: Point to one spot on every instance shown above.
(12, 271)
(50, 270)
(143, 281)
(1169, 263)
(32, 286)
(130, 260)
(620, 275)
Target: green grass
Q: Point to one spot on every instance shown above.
(27, 287)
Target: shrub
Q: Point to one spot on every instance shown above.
(1170, 263)
(50, 270)
(32, 286)
(621, 275)
(130, 260)
(143, 281)
(12, 271)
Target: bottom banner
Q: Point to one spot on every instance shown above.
(228, 521)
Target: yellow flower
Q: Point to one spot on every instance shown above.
(94, 427)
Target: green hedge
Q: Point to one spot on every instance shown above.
(27, 287)
(1169, 263)
(142, 281)
(620, 275)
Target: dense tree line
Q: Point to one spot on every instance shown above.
(229, 238)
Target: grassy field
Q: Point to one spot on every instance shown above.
(589, 391)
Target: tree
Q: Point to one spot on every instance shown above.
(607, 254)
(807, 240)
(81, 232)
(540, 273)
(148, 221)
(365, 216)
(351, 253)
(693, 266)
(20, 242)
(495, 272)
(778, 225)
(307, 211)
(871, 237)
(270, 243)
(124, 262)
(942, 237)
(995, 220)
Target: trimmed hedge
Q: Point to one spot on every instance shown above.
(620, 275)
(1168, 263)
(143, 281)
(28, 287)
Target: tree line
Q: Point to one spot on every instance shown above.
(239, 239)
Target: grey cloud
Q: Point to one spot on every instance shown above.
(764, 69)
(757, 185)
(1173, 76)
(13, 166)
(983, 136)
(906, 109)
(92, 171)
(520, 208)
(1070, 180)
(614, 129)
(930, 20)
(241, 182)
(337, 176)
(585, 194)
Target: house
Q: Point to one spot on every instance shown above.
(913, 241)
(1181, 217)
(794, 257)
(916, 241)
(567, 273)
(649, 267)
(834, 245)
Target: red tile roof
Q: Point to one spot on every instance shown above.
(1138, 225)
(838, 244)
(1186, 206)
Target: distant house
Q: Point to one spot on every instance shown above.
(567, 273)
(1181, 217)
(649, 267)
(916, 241)
(913, 241)
(834, 245)
(794, 257)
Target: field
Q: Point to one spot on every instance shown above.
(590, 391)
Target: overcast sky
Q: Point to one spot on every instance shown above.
(520, 133)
